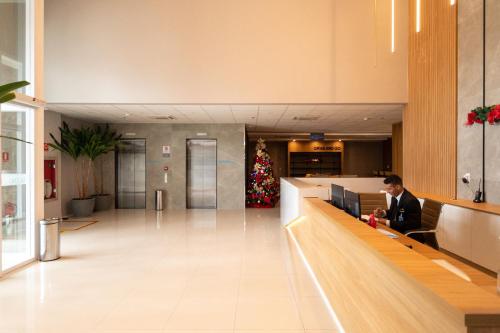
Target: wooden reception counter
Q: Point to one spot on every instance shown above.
(480, 207)
(377, 284)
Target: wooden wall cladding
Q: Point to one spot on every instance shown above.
(397, 149)
(429, 121)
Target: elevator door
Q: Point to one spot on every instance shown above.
(131, 174)
(201, 173)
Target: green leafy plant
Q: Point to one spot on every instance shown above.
(84, 146)
(7, 94)
(72, 143)
(7, 90)
(105, 140)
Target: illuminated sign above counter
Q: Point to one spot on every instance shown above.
(315, 146)
(329, 148)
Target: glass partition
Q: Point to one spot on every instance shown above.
(17, 186)
(16, 36)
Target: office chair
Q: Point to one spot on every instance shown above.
(431, 210)
(371, 201)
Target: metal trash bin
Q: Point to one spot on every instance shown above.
(159, 200)
(50, 239)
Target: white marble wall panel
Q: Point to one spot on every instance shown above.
(470, 95)
(230, 160)
(492, 97)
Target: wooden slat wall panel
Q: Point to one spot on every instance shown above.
(397, 149)
(429, 121)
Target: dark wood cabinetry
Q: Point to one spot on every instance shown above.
(323, 163)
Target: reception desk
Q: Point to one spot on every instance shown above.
(471, 231)
(377, 284)
(293, 190)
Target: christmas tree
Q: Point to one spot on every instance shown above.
(262, 189)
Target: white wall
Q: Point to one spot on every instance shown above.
(230, 51)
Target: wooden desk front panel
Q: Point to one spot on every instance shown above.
(377, 285)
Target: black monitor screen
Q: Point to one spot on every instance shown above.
(338, 196)
(351, 203)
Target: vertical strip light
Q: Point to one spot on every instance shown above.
(418, 16)
(452, 2)
(393, 32)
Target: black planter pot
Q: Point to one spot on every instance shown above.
(103, 202)
(82, 207)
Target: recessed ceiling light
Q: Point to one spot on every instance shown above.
(366, 118)
(164, 117)
(306, 118)
(294, 140)
(340, 140)
(126, 114)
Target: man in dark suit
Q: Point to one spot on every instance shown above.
(405, 212)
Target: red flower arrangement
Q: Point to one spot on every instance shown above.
(479, 115)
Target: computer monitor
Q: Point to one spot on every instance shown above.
(351, 203)
(338, 196)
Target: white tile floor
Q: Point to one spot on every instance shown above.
(174, 271)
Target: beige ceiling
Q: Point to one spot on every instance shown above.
(328, 118)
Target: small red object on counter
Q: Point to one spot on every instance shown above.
(372, 222)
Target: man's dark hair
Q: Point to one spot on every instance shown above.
(393, 180)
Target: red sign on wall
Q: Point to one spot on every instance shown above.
(5, 156)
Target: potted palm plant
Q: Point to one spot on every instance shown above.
(77, 143)
(106, 141)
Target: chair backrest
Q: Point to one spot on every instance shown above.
(430, 214)
(370, 201)
(431, 210)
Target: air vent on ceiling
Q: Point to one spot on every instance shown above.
(164, 117)
(305, 118)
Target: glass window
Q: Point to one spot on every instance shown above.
(16, 42)
(17, 187)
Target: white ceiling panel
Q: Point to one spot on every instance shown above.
(188, 108)
(215, 107)
(338, 118)
(130, 107)
(273, 107)
(301, 108)
(159, 107)
(244, 108)
(221, 116)
(102, 107)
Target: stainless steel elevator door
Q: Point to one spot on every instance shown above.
(201, 173)
(131, 174)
